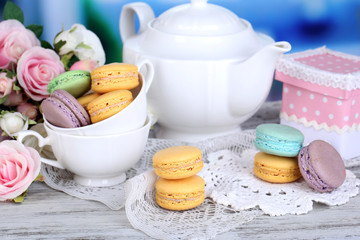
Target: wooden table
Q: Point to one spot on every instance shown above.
(50, 214)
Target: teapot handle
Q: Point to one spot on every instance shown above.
(126, 20)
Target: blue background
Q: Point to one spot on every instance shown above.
(305, 24)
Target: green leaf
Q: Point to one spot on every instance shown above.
(66, 59)
(58, 45)
(37, 29)
(13, 67)
(10, 74)
(16, 88)
(12, 11)
(83, 45)
(62, 29)
(32, 122)
(2, 100)
(72, 60)
(20, 198)
(46, 44)
(73, 29)
(3, 112)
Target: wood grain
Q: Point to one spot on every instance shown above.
(49, 214)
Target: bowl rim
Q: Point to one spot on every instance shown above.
(143, 128)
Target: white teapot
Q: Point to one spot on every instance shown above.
(212, 71)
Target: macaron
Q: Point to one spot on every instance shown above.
(178, 162)
(322, 166)
(108, 104)
(61, 109)
(180, 194)
(114, 76)
(278, 139)
(85, 99)
(76, 82)
(276, 169)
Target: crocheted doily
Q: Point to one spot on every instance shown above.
(230, 181)
(202, 222)
(228, 175)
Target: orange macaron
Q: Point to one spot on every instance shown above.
(108, 104)
(85, 99)
(178, 162)
(276, 169)
(180, 194)
(114, 76)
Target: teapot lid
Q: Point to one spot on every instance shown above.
(199, 19)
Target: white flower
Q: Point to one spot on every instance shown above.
(13, 122)
(84, 43)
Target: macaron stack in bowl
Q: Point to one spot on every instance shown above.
(112, 98)
(178, 187)
(109, 101)
(283, 158)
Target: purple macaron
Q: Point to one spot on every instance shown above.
(321, 166)
(61, 109)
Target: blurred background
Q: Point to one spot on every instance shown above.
(306, 24)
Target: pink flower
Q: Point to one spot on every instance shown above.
(19, 166)
(15, 98)
(15, 39)
(6, 84)
(87, 65)
(28, 109)
(36, 67)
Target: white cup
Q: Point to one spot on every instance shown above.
(128, 119)
(95, 160)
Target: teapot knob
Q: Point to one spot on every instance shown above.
(198, 2)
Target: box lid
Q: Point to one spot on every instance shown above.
(322, 70)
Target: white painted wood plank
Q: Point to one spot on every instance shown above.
(46, 214)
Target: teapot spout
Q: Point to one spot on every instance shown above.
(253, 78)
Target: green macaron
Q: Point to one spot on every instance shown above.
(76, 82)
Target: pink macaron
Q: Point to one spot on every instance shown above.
(321, 166)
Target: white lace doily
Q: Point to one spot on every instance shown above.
(227, 170)
(202, 222)
(230, 181)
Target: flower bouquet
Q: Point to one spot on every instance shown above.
(27, 64)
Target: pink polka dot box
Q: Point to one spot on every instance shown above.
(321, 97)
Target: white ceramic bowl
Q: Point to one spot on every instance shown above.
(130, 118)
(94, 160)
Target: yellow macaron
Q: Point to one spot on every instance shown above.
(108, 104)
(114, 76)
(180, 194)
(178, 162)
(84, 100)
(276, 169)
